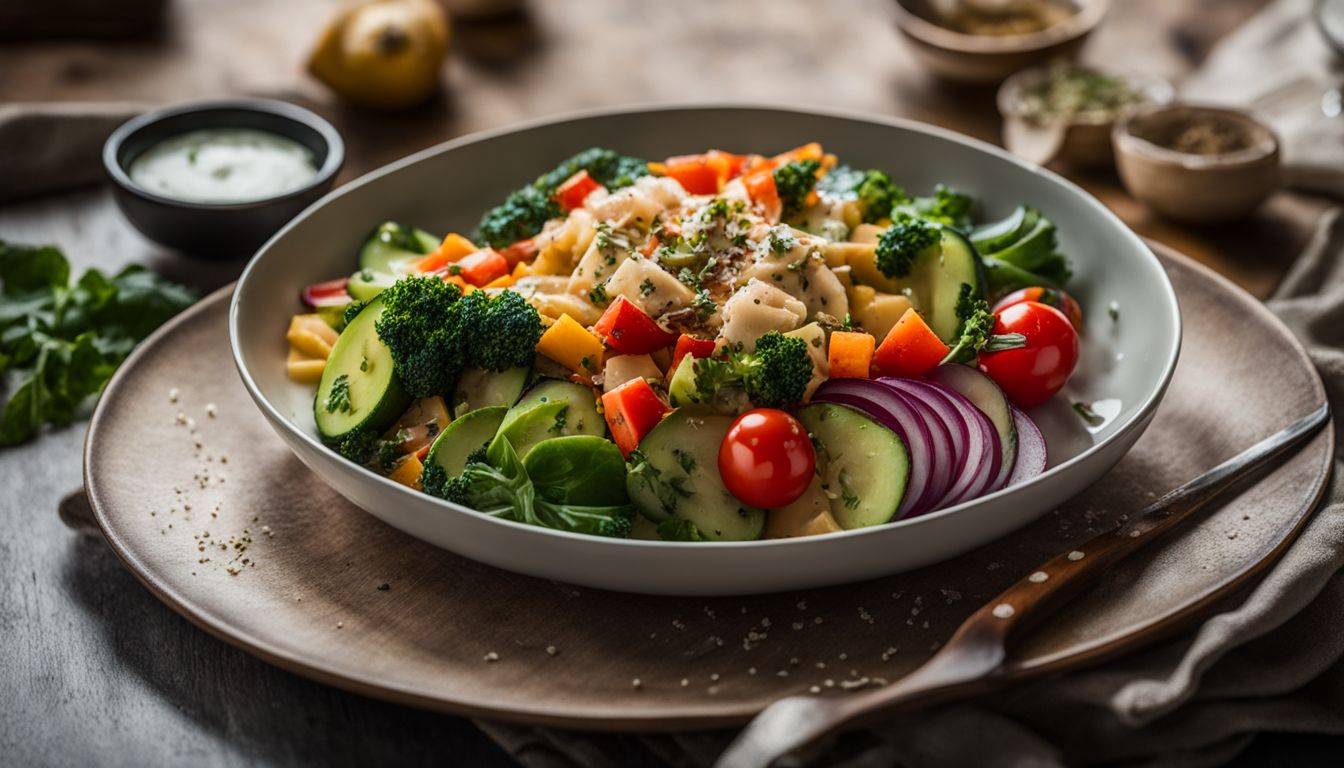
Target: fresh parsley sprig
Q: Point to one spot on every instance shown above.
(61, 342)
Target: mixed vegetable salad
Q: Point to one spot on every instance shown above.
(710, 347)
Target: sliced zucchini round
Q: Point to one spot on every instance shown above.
(863, 466)
(359, 391)
(479, 388)
(380, 253)
(462, 436)
(552, 408)
(678, 477)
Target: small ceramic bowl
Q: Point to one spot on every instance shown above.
(1190, 187)
(218, 230)
(988, 59)
(1082, 141)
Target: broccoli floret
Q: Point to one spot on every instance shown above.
(355, 445)
(435, 481)
(976, 332)
(523, 213)
(607, 167)
(422, 328)
(794, 181)
(904, 241)
(872, 189)
(774, 376)
(946, 206)
(878, 195)
(502, 332)
(779, 370)
(351, 309)
(678, 529)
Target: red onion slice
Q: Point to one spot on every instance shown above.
(896, 413)
(949, 442)
(979, 452)
(1031, 449)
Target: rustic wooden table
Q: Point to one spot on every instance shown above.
(95, 670)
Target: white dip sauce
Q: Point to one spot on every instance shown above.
(224, 165)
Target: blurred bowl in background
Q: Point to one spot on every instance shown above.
(209, 230)
(1079, 137)
(1197, 164)
(989, 58)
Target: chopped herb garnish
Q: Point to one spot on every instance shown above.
(338, 399)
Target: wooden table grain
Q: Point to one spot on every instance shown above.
(93, 670)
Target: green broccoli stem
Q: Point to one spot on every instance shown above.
(967, 350)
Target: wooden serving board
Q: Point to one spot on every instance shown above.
(211, 511)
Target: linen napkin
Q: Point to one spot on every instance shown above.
(55, 147)
(1271, 661)
(1279, 65)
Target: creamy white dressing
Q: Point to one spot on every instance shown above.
(224, 165)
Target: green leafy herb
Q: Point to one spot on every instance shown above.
(338, 399)
(679, 529)
(61, 342)
(1085, 412)
(502, 488)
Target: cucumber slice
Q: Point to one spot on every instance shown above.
(392, 242)
(462, 436)
(366, 284)
(985, 395)
(940, 280)
(864, 466)
(934, 281)
(358, 390)
(479, 388)
(679, 477)
(1001, 234)
(552, 408)
(1034, 249)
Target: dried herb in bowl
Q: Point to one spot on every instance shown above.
(1074, 94)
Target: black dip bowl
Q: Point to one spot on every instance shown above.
(219, 230)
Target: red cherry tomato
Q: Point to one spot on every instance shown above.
(1032, 374)
(766, 459)
(1051, 297)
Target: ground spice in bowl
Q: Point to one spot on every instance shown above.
(1204, 134)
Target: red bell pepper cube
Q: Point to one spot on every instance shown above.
(698, 174)
(521, 251)
(331, 293)
(911, 348)
(629, 330)
(480, 267)
(573, 191)
(689, 345)
(631, 410)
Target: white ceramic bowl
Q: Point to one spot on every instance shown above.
(1125, 366)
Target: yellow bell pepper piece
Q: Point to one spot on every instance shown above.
(407, 472)
(503, 281)
(304, 369)
(311, 335)
(572, 345)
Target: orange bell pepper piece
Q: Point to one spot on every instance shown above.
(851, 354)
(453, 247)
(911, 348)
